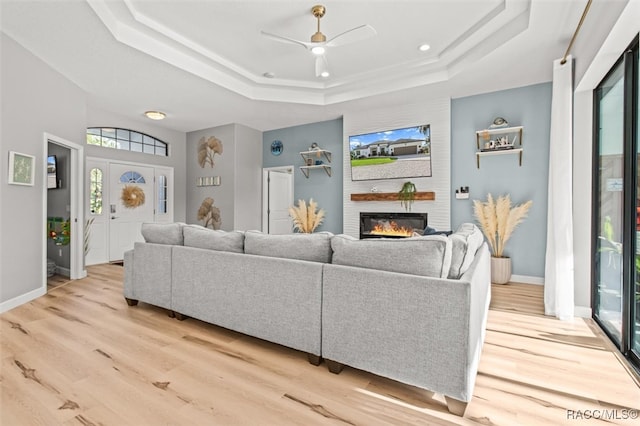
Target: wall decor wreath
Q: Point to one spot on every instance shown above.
(132, 196)
(207, 149)
(209, 214)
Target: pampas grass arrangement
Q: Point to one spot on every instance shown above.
(498, 219)
(306, 218)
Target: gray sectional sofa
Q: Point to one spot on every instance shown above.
(413, 310)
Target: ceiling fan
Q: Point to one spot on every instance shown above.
(319, 42)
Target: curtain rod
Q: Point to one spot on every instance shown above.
(584, 15)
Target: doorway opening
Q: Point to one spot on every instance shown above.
(62, 209)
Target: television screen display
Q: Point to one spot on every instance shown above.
(52, 172)
(391, 154)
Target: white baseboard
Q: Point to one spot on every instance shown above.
(24, 298)
(526, 279)
(582, 311)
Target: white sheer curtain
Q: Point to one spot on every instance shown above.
(558, 286)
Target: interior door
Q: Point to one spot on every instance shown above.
(280, 195)
(131, 198)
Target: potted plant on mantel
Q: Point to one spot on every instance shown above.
(498, 219)
(407, 195)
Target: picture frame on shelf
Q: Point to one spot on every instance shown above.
(21, 169)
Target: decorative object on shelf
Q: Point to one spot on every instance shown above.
(132, 196)
(209, 214)
(59, 230)
(498, 219)
(21, 169)
(498, 122)
(462, 193)
(313, 160)
(306, 218)
(497, 141)
(207, 149)
(407, 195)
(277, 147)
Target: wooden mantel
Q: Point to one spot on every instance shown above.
(391, 196)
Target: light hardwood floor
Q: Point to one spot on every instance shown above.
(81, 356)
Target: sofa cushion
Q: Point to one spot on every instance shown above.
(162, 233)
(205, 238)
(428, 256)
(464, 244)
(314, 247)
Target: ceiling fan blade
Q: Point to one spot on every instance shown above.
(322, 66)
(360, 33)
(284, 39)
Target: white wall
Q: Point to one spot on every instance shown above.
(239, 167)
(248, 147)
(35, 99)
(433, 109)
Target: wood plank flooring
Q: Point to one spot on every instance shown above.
(81, 356)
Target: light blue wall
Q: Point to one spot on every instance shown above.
(530, 107)
(327, 191)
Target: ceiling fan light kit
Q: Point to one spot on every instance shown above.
(319, 43)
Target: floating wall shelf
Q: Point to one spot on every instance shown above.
(391, 196)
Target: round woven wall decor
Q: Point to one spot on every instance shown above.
(132, 196)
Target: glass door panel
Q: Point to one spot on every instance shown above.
(610, 191)
(635, 327)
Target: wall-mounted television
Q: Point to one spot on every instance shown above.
(391, 154)
(52, 172)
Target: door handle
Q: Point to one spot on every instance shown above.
(114, 217)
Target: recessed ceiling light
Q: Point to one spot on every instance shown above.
(155, 115)
(324, 74)
(268, 74)
(424, 47)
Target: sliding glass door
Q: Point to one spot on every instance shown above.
(635, 330)
(616, 215)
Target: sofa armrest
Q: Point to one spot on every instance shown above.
(148, 275)
(417, 330)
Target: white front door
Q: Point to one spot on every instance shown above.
(280, 198)
(131, 202)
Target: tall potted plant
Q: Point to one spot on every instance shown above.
(498, 219)
(306, 218)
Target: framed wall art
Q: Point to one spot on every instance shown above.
(21, 168)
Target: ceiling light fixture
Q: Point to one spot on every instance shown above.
(269, 74)
(317, 50)
(324, 74)
(155, 115)
(424, 47)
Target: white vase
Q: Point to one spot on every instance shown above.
(500, 270)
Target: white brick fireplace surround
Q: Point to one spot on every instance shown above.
(435, 111)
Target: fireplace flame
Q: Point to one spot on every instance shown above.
(391, 228)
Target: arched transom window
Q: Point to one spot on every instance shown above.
(127, 140)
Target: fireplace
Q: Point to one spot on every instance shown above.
(391, 225)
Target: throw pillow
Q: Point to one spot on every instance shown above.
(428, 256)
(205, 238)
(314, 247)
(464, 244)
(162, 233)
